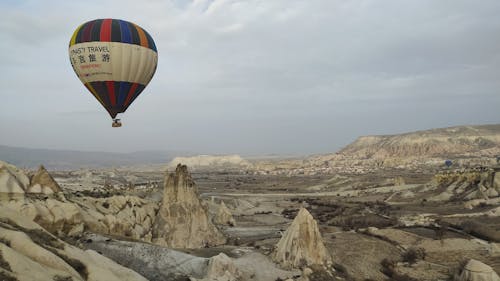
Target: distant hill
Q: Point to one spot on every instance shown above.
(69, 159)
(211, 162)
(481, 140)
(466, 146)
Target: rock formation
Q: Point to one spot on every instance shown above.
(122, 216)
(224, 216)
(43, 182)
(221, 268)
(28, 252)
(477, 271)
(125, 216)
(302, 244)
(182, 221)
(12, 179)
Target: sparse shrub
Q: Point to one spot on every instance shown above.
(62, 278)
(389, 269)
(340, 268)
(387, 263)
(413, 255)
(302, 263)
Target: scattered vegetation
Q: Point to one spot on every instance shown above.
(363, 221)
(4, 241)
(4, 264)
(6, 276)
(413, 255)
(481, 230)
(75, 264)
(389, 269)
(62, 278)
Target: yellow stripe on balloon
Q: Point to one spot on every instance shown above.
(73, 38)
(93, 91)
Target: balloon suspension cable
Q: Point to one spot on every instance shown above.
(116, 123)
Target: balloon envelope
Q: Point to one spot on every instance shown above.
(114, 59)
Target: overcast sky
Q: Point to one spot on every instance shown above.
(256, 76)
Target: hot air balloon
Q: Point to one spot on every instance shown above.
(115, 60)
(448, 163)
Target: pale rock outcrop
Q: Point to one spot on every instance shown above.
(302, 244)
(221, 268)
(182, 221)
(494, 249)
(496, 181)
(9, 183)
(43, 182)
(475, 270)
(491, 192)
(59, 217)
(211, 161)
(399, 181)
(28, 252)
(12, 179)
(126, 216)
(224, 216)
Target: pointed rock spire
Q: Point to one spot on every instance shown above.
(302, 244)
(224, 216)
(43, 182)
(182, 221)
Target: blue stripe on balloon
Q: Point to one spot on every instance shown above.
(122, 93)
(126, 35)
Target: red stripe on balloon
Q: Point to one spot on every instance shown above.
(87, 31)
(111, 92)
(130, 94)
(106, 30)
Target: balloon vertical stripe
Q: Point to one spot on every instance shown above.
(73, 38)
(96, 31)
(142, 37)
(111, 92)
(106, 31)
(126, 35)
(86, 32)
(124, 87)
(130, 94)
(92, 90)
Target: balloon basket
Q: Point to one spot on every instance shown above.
(116, 123)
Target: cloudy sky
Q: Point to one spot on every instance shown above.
(256, 76)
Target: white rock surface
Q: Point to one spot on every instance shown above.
(475, 270)
(302, 244)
